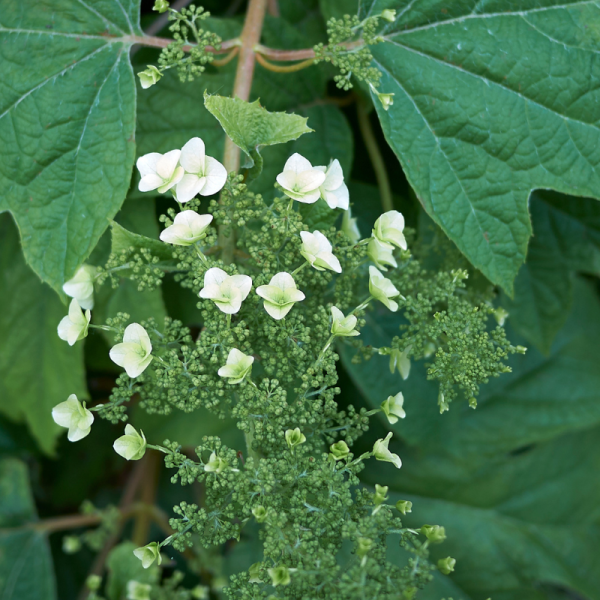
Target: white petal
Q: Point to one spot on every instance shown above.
(135, 366)
(297, 163)
(216, 176)
(75, 433)
(147, 164)
(87, 302)
(119, 353)
(192, 156)
(210, 291)
(324, 243)
(283, 280)
(175, 179)
(276, 311)
(167, 163)
(243, 283)
(179, 235)
(338, 198)
(150, 182)
(189, 186)
(286, 180)
(214, 276)
(335, 176)
(63, 413)
(307, 181)
(64, 327)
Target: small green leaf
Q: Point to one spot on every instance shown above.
(26, 571)
(67, 123)
(124, 240)
(251, 127)
(37, 369)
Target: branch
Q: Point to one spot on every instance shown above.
(158, 42)
(283, 69)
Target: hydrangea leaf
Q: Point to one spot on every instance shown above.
(566, 238)
(513, 478)
(24, 551)
(491, 101)
(67, 122)
(37, 369)
(122, 239)
(251, 127)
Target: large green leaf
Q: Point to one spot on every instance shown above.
(67, 122)
(566, 238)
(25, 562)
(514, 480)
(492, 100)
(37, 369)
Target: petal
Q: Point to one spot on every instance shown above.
(175, 179)
(307, 181)
(119, 352)
(135, 366)
(150, 182)
(324, 243)
(210, 292)
(214, 276)
(243, 283)
(136, 334)
(192, 156)
(63, 413)
(87, 302)
(216, 176)
(180, 235)
(335, 176)
(147, 164)
(297, 163)
(75, 433)
(189, 186)
(283, 280)
(287, 180)
(167, 163)
(63, 329)
(277, 311)
(235, 356)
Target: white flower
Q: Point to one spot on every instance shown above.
(381, 254)
(203, 174)
(237, 367)
(388, 229)
(81, 286)
(149, 77)
(132, 445)
(382, 289)
(134, 354)
(188, 227)
(393, 407)
(148, 554)
(75, 416)
(381, 451)
(300, 180)
(317, 251)
(343, 326)
(159, 171)
(215, 464)
(399, 360)
(226, 291)
(350, 227)
(280, 295)
(333, 190)
(74, 326)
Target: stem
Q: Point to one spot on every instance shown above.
(299, 268)
(141, 525)
(223, 61)
(292, 55)
(201, 255)
(375, 155)
(362, 305)
(158, 42)
(162, 20)
(281, 69)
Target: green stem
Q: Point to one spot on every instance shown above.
(362, 305)
(299, 268)
(376, 157)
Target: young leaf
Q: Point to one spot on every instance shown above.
(250, 126)
(123, 240)
(67, 121)
(26, 571)
(490, 104)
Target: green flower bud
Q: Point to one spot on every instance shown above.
(148, 554)
(404, 506)
(216, 464)
(138, 591)
(386, 99)
(434, 533)
(388, 15)
(343, 326)
(260, 514)
(280, 295)
(500, 315)
(161, 6)
(71, 544)
(381, 451)
(93, 583)
(132, 445)
(237, 368)
(254, 572)
(294, 437)
(350, 227)
(149, 77)
(280, 575)
(339, 450)
(446, 565)
(382, 289)
(392, 407)
(380, 494)
(363, 546)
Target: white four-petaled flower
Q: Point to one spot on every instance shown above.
(389, 229)
(381, 254)
(226, 291)
(74, 416)
(300, 180)
(132, 445)
(316, 248)
(342, 326)
(81, 286)
(134, 353)
(159, 171)
(237, 367)
(333, 190)
(382, 289)
(188, 228)
(280, 295)
(393, 407)
(148, 554)
(381, 451)
(203, 174)
(75, 325)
